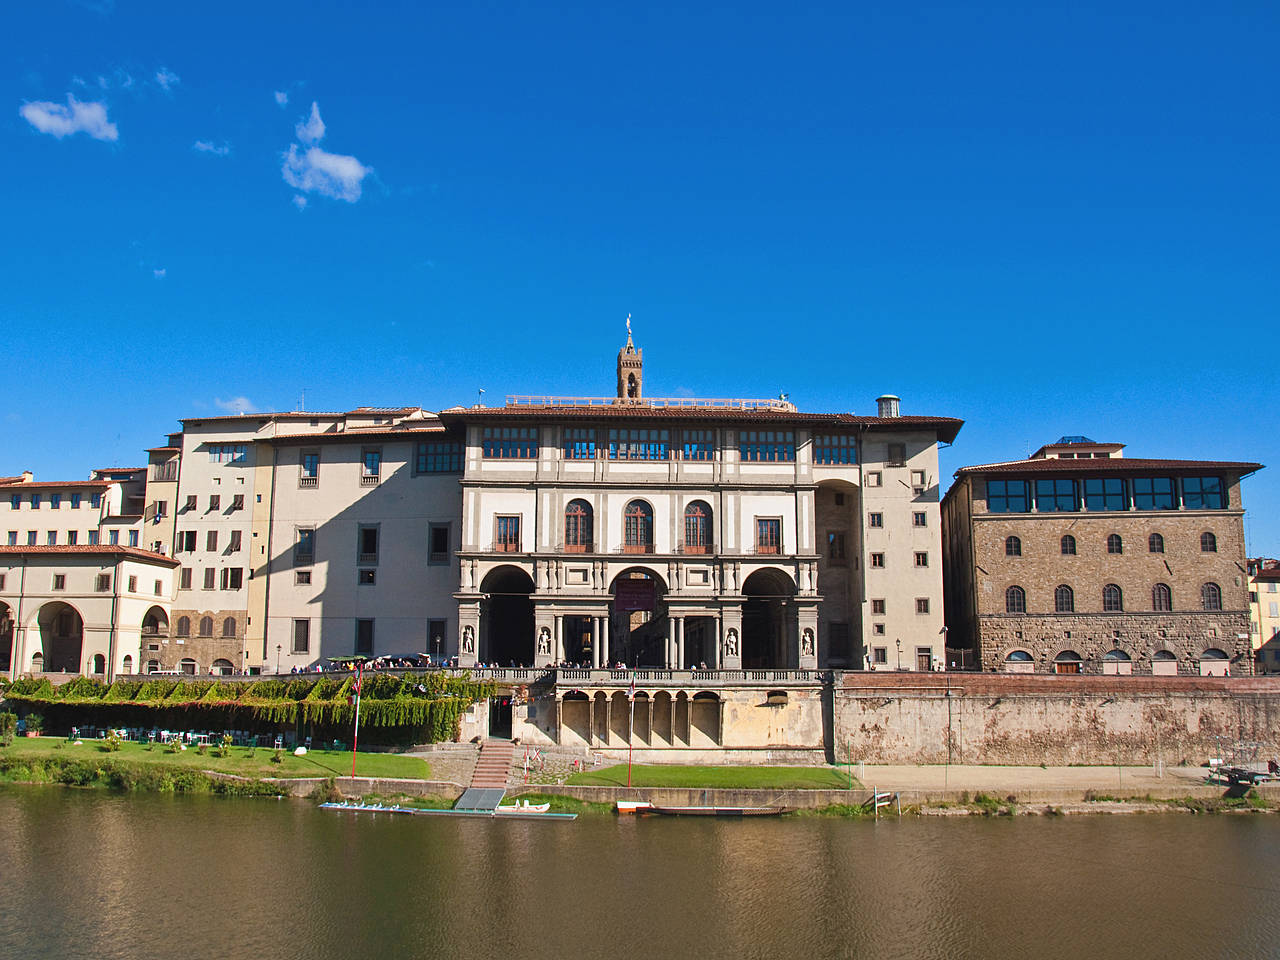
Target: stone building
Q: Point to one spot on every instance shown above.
(1264, 612)
(1079, 559)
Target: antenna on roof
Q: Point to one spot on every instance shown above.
(480, 397)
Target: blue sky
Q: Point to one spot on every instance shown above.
(1043, 220)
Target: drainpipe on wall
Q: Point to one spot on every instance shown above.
(111, 636)
(17, 655)
(271, 517)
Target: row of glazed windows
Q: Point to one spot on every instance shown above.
(55, 501)
(432, 456)
(1064, 599)
(72, 538)
(1115, 544)
(586, 443)
(183, 627)
(1095, 494)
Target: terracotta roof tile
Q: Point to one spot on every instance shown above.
(134, 553)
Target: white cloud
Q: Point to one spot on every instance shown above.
(311, 130)
(300, 201)
(167, 79)
(282, 98)
(208, 146)
(159, 273)
(76, 117)
(313, 170)
(235, 405)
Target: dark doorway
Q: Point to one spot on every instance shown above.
(6, 637)
(577, 639)
(507, 618)
(764, 620)
(500, 717)
(638, 619)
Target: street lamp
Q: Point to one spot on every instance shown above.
(437, 648)
(898, 641)
(278, 647)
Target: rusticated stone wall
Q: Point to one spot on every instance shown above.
(1052, 720)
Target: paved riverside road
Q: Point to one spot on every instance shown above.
(1032, 783)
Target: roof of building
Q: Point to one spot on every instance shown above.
(56, 484)
(115, 550)
(1109, 465)
(1268, 574)
(163, 450)
(396, 432)
(304, 414)
(946, 427)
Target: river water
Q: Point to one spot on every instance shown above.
(100, 875)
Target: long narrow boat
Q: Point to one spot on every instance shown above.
(713, 811)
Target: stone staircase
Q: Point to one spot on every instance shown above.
(493, 766)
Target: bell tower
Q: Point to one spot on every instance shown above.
(630, 370)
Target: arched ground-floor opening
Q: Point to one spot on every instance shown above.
(1117, 663)
(619, 718)
(223, 668)
(704, 720)
(506, 618)
(766, 629)
(638, 622)
(575, 718)
(6, 637)
(155, 625)
(640, 728)
(99, 664)
(1214, 663)
(660, 731)
(61, 638)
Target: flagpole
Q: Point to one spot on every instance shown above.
(631, 729)
(355, 732)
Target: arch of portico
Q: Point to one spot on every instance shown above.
(658, 718)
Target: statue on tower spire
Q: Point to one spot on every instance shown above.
(630, 370)
(629, 330)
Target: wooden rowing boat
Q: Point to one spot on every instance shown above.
(714, 811)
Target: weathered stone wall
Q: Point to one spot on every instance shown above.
(1032, 719)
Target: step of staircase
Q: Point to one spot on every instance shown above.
(494, 765)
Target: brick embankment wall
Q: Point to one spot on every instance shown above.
(1053, 720)
(363, 786)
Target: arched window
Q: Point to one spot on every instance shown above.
(1155, 543)
(153, 666)
(1208, 543)
(229, 627)
(1015, 600)
(1115, 544)
(1211, 596)
(1064, 599)
(1112, 598)
(697, 528)
(1012, 547)
(99, 663)
(577, 527)
(187, 665)
(637, 528)
(1068, 661)
(223, 667)
(128, 664)
(184, 626)
(1161, 598)
(1018, 656)
(1068, 546)
(206, 626)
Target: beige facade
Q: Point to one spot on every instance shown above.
(1092, 562)
(1264, 613)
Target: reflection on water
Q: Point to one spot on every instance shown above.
(91, 874)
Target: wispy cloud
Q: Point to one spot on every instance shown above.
(235, 405)
(282, 98)
(300, 201)
(208, 146)
(312, 170)
(159, 273)
(167, 79)
(76, 117)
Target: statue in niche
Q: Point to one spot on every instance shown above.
(468, 640)
(731, 643)
(806, 643)
(544, 641)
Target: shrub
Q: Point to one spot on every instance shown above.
(202, 749)
(224, 746)
(8, 724)
(35, 722)
(278, 756)
(111, 742)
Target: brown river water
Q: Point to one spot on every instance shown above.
(100, 875)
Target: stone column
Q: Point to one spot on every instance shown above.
(591, 721)
(671, 640)
(559, 637)
(717, 639)
(680, 658)
(595, 642)
(606, 642)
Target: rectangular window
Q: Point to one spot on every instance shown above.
(438, 636)
(698, 444)
(304, 548)
(133, 584)
(232, 578)
(113, 537)
(832, 449)
(877, 561)
(51, 538)
(227, 452)
(366, 577)
(1105, 493)
(364, 636)
(438, 456)
(15, 501)
(919, 519)
(103, 583)
(837, 554)
(73, 537)
(877, 629)
(187, 541)
(768, 535)
(162, 472)
(13, 538)
(1203, 493)
(874, 478)
(917, 483)
(93, 538)
(32, 537)
(639, 444)
(301, 637)
(215, 502)
(159, 588)
(880, 654)
(75, 501)
(897, 455)
(191, 502)
(95, 500)
(162, 509)
(1153, 493)
(507, 535)
(1273, 609)
(302, 578)
(509, 443)
(922, 558)
(579, 444)
(211, 541)
(35, 501)
(59, 581)
(767, 446)
(875, 520)
(237, 502)
(133, 538)
(922, 604)
(210, 578)
(55, 501)
(1056, 496)
(877, 607)
(367, 549)
(370, 466)
(1008, 496)
(234, 545)
(309, 473)
(438, 543)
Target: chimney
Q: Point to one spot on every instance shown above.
(887, 406)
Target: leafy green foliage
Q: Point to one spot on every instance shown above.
(8, 724)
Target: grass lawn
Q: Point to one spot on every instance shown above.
(317, 763)
(761, 778)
